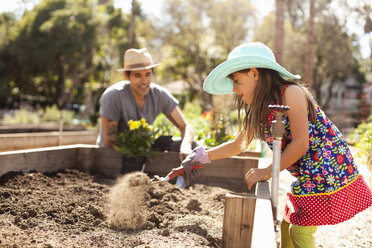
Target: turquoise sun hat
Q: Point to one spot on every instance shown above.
(247, 55)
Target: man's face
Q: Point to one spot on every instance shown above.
(140, 81)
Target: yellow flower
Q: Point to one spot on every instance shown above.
(134, 125)
(143, 120)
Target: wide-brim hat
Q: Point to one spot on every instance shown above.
(137, 59)
(248, 55)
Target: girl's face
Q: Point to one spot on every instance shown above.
(244, 84)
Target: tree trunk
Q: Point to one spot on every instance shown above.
(132, 36)
(61, 83)
(279, 31)
(310, 44)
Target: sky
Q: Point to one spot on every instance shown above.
(153, 7)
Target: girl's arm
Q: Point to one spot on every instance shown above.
(228, 149)
(295, 98)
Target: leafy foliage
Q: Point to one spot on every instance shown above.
(22, 117)
(52, 114)
(137, 141)
(362, 137)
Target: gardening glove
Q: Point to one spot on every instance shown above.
(179, 171)
(197, 157)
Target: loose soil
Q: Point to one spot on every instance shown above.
(72, 208)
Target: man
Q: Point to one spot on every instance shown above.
(139, 98)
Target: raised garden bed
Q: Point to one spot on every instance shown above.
(60, 197)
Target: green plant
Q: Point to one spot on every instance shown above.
(137, 141)
(162, 126)
(218, 133)
(362, 138)
(22, 116)
(52, 114)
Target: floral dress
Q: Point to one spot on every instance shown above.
(329, 188)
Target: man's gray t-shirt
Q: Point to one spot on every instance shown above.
(118, 104)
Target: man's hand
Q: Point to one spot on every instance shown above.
(255, 175)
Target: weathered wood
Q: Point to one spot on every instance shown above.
(263, 190)
(107, 161)
(234, 167)
(161, 163)
(263, 234)
(19, 141)
(43, 159)
(248, 219)
(86, 157)
(238, 220)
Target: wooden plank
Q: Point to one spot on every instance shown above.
(263, 233)
(238, 220)
(107, 161)
(43, 160)
(234, 167)
(86, 157)
(19, 141)
(263, 190)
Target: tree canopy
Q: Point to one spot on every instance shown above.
(63, 48)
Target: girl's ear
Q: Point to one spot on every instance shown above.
(256, 74)
(125, 75)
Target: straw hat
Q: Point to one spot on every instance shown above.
(248, 55)
(137, 59)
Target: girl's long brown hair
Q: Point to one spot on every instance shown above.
(268, 91)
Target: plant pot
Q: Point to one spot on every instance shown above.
(132, 164)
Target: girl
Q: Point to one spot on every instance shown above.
(329, 188)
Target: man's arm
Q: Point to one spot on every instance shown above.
(110, 131)
(187, 133)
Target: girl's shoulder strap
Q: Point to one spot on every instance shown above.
(284, 88)
(281, 94)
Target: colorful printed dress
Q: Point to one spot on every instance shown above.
(329, 188)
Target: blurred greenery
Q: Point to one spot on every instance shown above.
(65, 52)
(49, 114)
(362, 138)
(21, 117)
(207, 132)
(52, 114)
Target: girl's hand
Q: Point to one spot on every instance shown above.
(255, 175)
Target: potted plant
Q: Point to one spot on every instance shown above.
(135, 145)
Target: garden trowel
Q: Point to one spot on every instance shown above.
(174, 173)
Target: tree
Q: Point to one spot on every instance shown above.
(55, 42)
(198, 36)
(310, 45)
(279, 30)
(7, 24)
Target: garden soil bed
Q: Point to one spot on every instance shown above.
(72, 208)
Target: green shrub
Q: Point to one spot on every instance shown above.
(206, 131)
(22, 116)
(52, 114)
(162, 126)
(362, 137)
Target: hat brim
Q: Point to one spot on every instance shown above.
(217, 82)
(139, 68)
